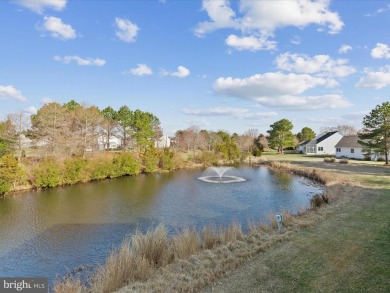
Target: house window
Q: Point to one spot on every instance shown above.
(338, 150)
(320, 149)
(352, 151)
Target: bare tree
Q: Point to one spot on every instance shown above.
(343, 129)
(49, 128)
(21, 122)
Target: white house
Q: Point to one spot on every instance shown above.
(163, 142)
(113, 143)
(323, 144)
(301, 146)
(349, 147)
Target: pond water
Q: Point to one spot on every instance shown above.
(50, 232)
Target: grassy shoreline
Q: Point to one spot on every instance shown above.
(190, 272)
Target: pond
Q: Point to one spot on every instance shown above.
(50, 232)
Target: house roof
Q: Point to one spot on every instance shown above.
(304, 142)
(321, 137)
(325, 136)
(349, 141)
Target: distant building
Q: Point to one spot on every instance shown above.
(163, 142)
(323, 144)
(113, 143)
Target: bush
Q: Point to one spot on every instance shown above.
(329, 160)
(343, 161)
(207, 158)
(151, 160)
(75, 170)
(167, 160)
(318, 200)
(124, 164)
(48, 173)
(10, 173)
(256, 151)
(100, 168)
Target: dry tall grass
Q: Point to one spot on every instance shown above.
(68, 286)
(232, 233)
(153, 246)
(209, 237)
(186, 243)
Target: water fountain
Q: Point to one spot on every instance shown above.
(219, 176)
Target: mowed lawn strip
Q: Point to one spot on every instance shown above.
(348, 252)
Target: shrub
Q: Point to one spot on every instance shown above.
(318, 200)
(343, 161)
(75, 170)
(124, 164)
(10, 173)
(207, 158)
(48, 173)
(167, 160)
(100, 168)
(329, 160)
(151, 160)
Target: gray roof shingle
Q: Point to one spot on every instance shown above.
(349, 141)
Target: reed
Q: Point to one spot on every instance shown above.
(186, 243)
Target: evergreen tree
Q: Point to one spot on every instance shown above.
(280, 135)
(306, 134)
(375, 136)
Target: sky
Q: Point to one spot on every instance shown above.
(214, 64)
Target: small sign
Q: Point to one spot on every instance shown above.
(24, 285)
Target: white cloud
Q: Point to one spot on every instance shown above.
(221, 15)
(126, 30)
(267, 84)
(305, 103)
(227, 111)
(10, 92)
(279, 90)
(296, 40)
(375, 79)
(80, 61)
(381, 51)
(39, 6)
(57, 28)
(345, 49)
(260, 19)
(30, 110)
(250, 43)
(321, 65)
(379, 11)
(140, 70)
(181, 72)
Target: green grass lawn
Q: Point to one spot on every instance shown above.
(349, 251)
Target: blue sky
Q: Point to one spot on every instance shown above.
(216, 64)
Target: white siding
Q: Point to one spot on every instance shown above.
(328, 145)
(346, 153)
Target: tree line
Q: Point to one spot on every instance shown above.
(70, 130)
